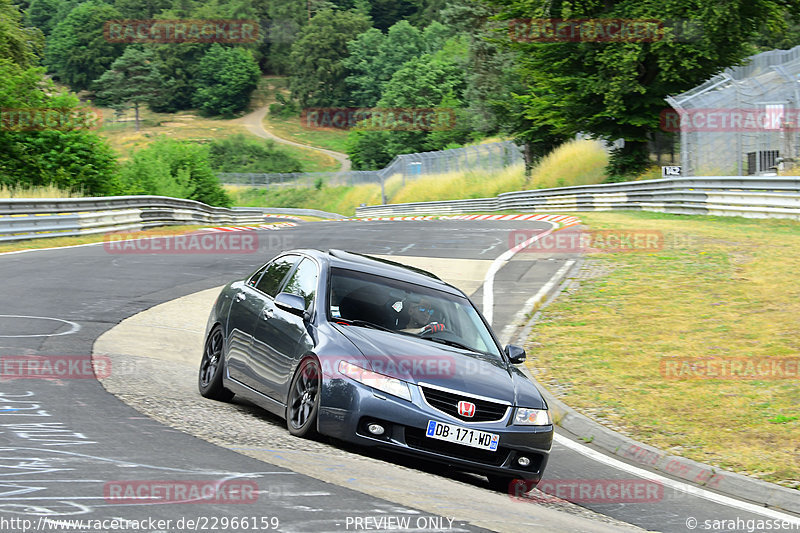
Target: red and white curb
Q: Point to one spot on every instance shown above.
(252, 228)
(563, 220)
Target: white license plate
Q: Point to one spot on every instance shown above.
(462, 435)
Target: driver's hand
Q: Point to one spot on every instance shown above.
(433, 327)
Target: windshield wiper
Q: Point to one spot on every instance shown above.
(451, 343)
(365, 324)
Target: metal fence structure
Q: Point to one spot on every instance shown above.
(743, 121)
(27, 218)
(752, 197)
(488, 157)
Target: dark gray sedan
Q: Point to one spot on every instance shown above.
(380, 354)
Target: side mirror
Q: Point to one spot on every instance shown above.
(291, 303)
(515, 354)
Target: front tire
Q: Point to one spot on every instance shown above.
(212, 367)
(303, 403)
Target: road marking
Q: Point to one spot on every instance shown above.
(74, 328)
(677, 485)
(497, 264)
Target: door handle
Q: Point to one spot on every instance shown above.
(268, 313)
(240, 297)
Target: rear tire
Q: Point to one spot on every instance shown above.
(212, 367)
(302, 405)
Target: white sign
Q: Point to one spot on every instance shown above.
(670, 172)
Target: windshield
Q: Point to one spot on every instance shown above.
(405, 308)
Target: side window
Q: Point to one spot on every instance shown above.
(274, 274)
(304, 281)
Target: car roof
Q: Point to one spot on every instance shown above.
(380, 267)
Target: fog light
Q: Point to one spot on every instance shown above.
(376, 429)
(523, 461)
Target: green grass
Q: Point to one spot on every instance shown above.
(721, 288)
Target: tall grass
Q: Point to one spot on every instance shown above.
(580, 162)
(49, 191)
(574, 163)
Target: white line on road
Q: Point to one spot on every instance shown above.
(677, 485)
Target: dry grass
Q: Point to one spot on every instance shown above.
(456, 185)
(574, 163)
(184, 125)
(50, 191)
(720, 288)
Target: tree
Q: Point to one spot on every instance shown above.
(174, 168)
(617, 89)
(44, 14)
(374, 57)
(77, 52)
(224, 80)
(428, 81)
(17, 44)
(63, 153)
(317, 69)
(133, 79)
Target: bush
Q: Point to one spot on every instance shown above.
(224, 80)
(174, 168)
(239, 153)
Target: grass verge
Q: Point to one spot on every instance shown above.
(721, 289)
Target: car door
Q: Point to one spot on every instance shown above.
(246, 308)
(281, 337)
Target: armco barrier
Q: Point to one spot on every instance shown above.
(752, 197)
(26, 218)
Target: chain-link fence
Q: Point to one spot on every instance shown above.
(489, 157)
(743, 121)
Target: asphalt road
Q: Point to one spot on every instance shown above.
(65, 443)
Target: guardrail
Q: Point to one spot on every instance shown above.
(752, 197)
(26, 218)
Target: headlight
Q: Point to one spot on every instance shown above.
(392, 386)
(532, 417)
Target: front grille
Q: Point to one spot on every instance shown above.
(415, 438)
(447, 402)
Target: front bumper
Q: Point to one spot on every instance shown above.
(347, 407)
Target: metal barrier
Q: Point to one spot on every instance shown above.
(752, 197)
(26, 218)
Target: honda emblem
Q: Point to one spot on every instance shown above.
(466, 409)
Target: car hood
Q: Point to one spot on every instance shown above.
(421, 361)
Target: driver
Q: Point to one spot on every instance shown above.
(423, 315)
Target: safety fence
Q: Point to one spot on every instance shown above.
(490, 157)
(753, 197)
(25, 218)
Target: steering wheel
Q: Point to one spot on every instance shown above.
(431, 328)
